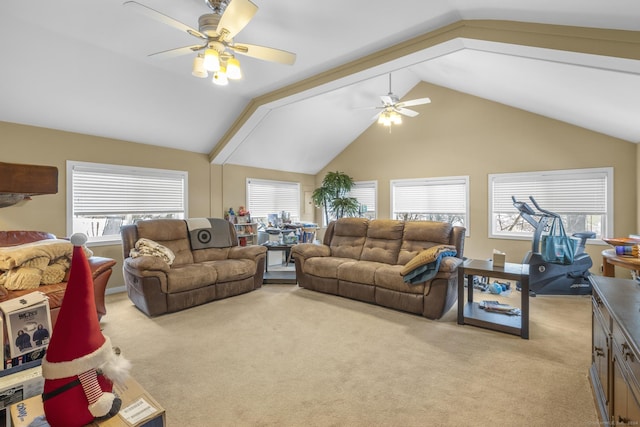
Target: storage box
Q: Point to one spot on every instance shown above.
(138, 409)
(19, 386)
(499, 259)
(27, 323)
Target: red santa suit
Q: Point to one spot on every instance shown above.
(80, 365)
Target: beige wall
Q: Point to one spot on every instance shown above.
(456, 134)
(234, 185)
(212, 188)
(459, 134)
(32, 145)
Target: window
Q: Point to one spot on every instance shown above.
(101, 198)
(366, 193)
(582, 197)
(435, 199)
(265, 197)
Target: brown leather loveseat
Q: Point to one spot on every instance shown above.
(196, 275)
(101, 269)
(368, 260)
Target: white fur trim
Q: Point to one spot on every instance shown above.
(102, 406)
(71, 368)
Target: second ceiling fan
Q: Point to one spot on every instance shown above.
(216, 31)
(392, 108)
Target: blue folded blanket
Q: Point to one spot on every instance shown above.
(427, 271)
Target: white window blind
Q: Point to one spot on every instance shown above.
(431, 198)
(366, 193)
(581, 196)
(266, 197)
(105, 195)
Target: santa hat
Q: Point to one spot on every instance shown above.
(74, 394)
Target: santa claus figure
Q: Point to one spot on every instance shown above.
(80, 366)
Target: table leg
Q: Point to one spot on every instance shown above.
(608, 270)
(524, 295)
(460, 296)
(470, 288)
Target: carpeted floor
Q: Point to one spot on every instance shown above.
(287, 356)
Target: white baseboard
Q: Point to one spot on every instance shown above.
(115, 290)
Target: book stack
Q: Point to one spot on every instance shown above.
(498, 307)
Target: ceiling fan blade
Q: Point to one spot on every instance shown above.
(386, 99)
(375, 117)
(235, 17)
(161, 17)
(413, 102)
(406, 112)
(172, 53)
(265, 53)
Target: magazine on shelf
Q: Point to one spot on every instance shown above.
(498, 307)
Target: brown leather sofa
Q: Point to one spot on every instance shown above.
(363, 259)
(101, 269)
(196, 276)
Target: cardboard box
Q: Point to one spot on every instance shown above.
(19, 386)
(138, 409)
(27, 323)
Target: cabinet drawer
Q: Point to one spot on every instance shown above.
(627, 356)
(600, 310)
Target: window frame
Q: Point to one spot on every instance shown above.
(433, 181)
(288, 183)
(543, 176)
(110, 239)
(371, 184)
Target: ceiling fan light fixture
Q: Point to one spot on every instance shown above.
(220, 77)
(211, 59)
(388, 118)
(233, 69)
(198, 67)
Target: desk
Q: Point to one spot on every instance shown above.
(470, 313)
(610, 260)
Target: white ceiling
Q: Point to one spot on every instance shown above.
(82, 66)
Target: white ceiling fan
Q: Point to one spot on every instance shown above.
(216, 31)
(392, 108)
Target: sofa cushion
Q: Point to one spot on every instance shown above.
(384, 238)
(420, 235)
(213, 254)
(171, 233)
(359, 271)
(190, 276)
(233, 269)
(388, 277)
(324, 266)
(348, 237)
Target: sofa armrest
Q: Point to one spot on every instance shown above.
(310, 250)
(147, 263)
(247, 252)
(449, 264)
(99, 265)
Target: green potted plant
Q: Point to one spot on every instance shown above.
(332, 196)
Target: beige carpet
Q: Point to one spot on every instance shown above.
(286, 356)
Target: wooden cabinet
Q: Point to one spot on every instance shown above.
(615, 368)
(601, 327)
(247, 233)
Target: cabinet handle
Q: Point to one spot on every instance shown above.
(598, 351)
(627, 354)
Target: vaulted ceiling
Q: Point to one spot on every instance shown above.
(83, 66)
